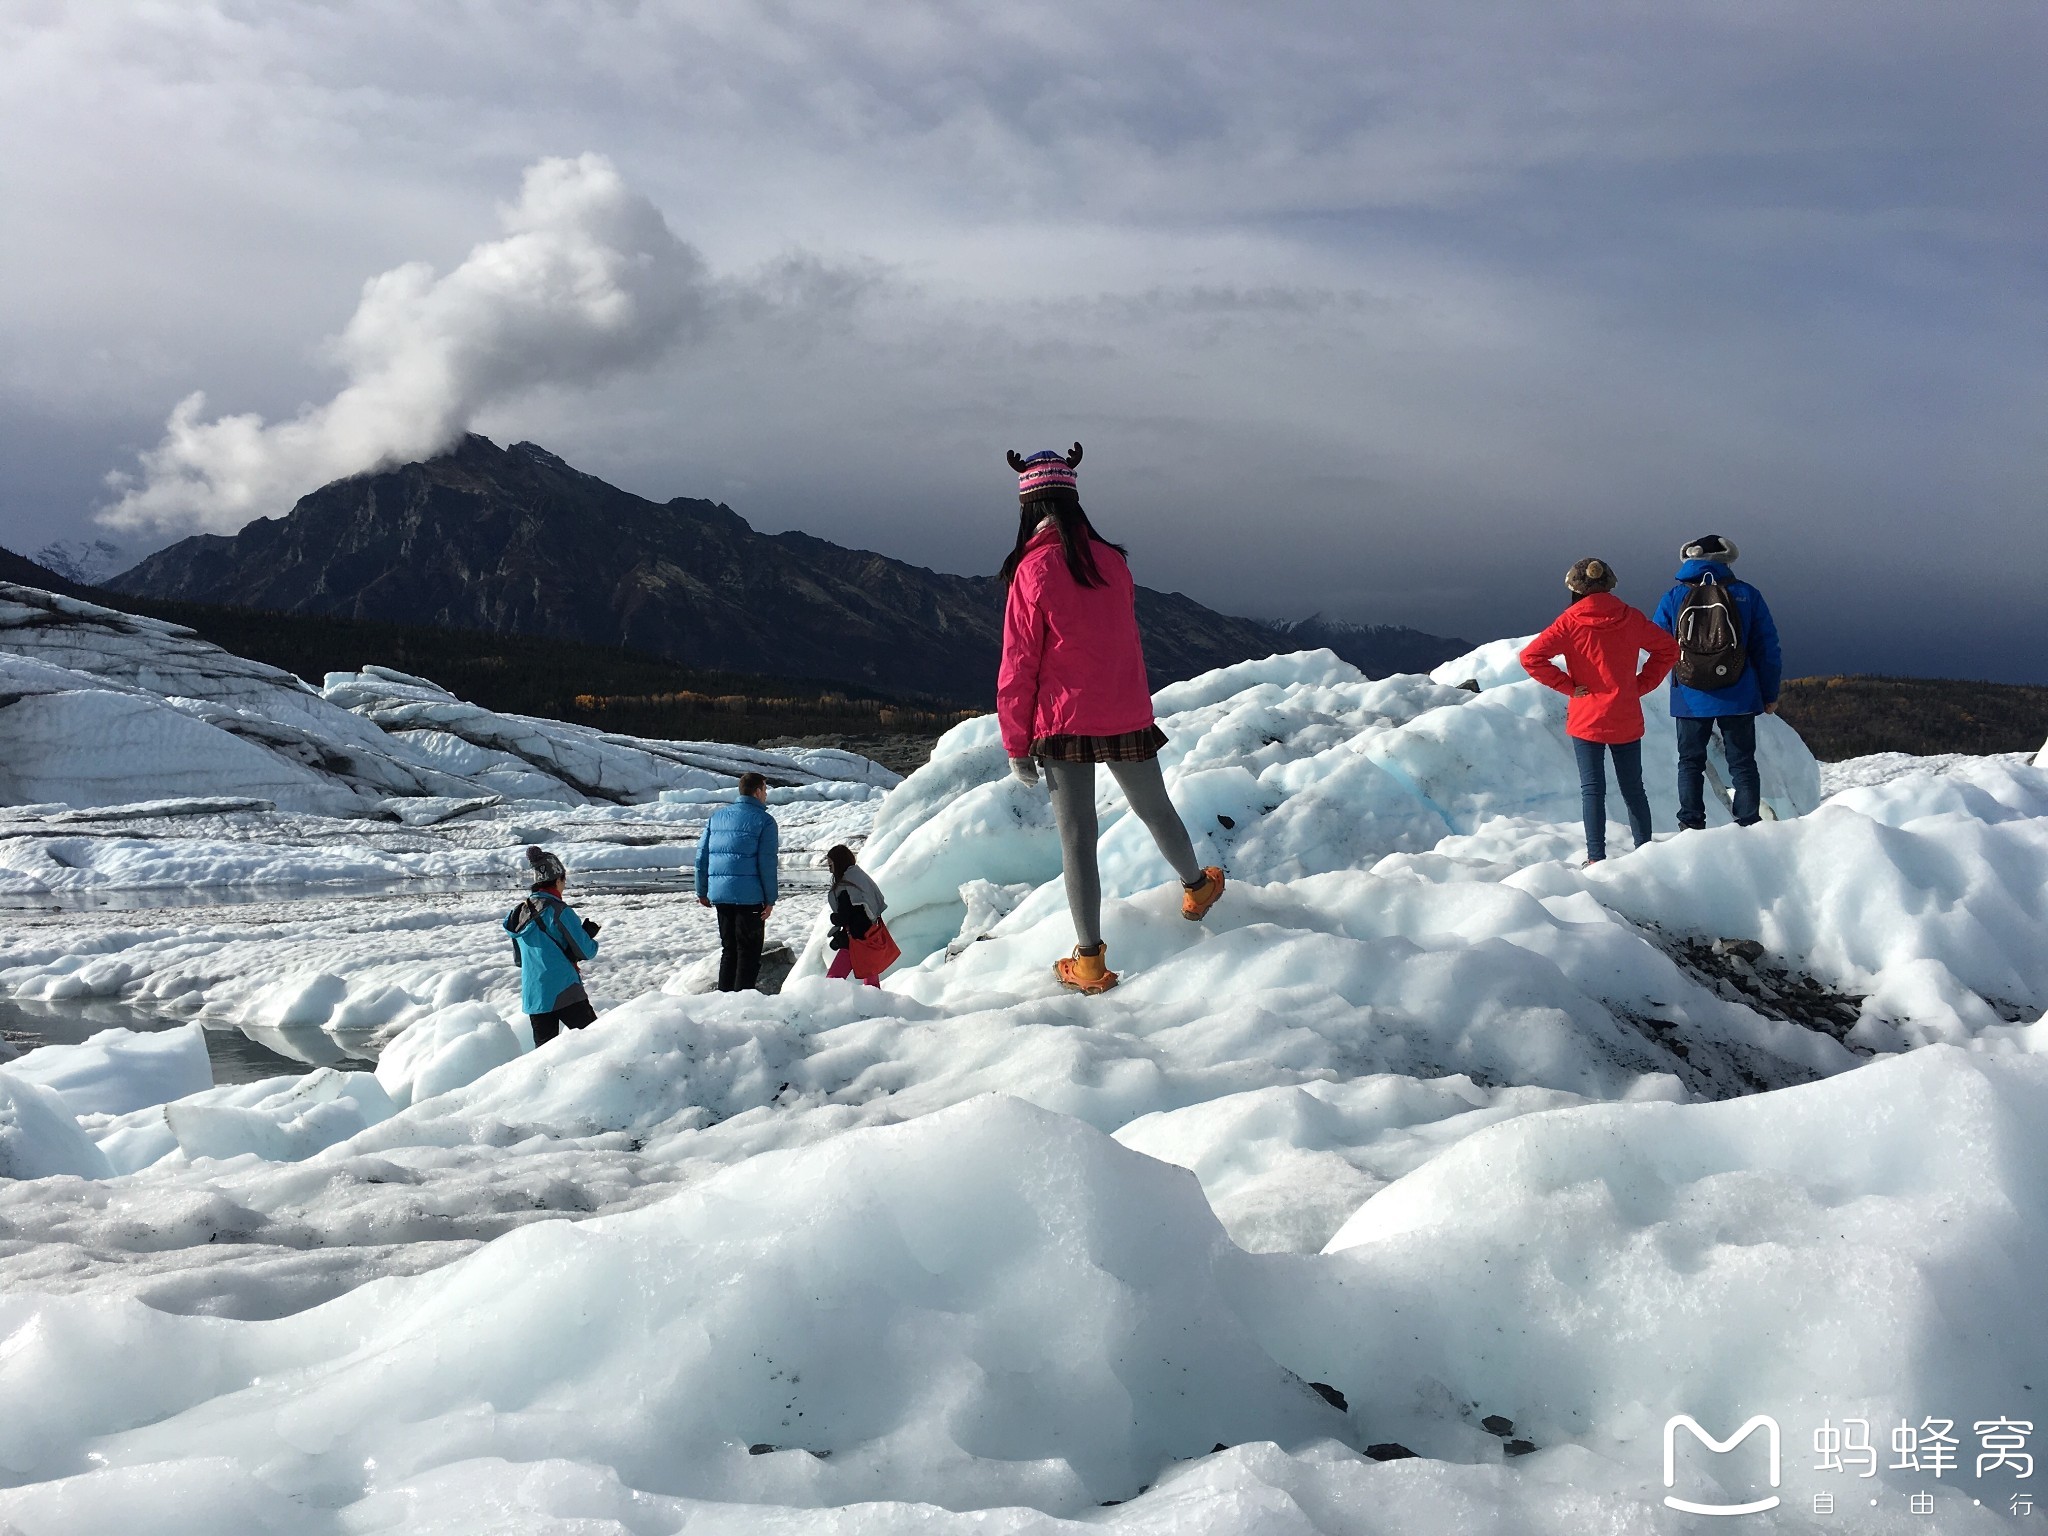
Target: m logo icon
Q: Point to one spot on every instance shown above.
(1687, 1421)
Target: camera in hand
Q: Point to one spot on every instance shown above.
(591, 926)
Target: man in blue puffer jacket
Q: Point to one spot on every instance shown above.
(1734, 708)
(736, 874)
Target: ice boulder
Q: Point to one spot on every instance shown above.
(446, 1049)
(40, 1138)
(989, 1306)
(119, 1070)
(276, 1127)
(1492, 665)
(1284, 1167)
(287, 1125)
(1870, 1245)
(79, 739)
(1989, 789)
(1848, 896)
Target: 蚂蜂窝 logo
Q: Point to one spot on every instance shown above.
(1680, 1421)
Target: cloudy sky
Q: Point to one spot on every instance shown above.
(1385, 310)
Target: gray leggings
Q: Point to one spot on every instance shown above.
(1073, 808)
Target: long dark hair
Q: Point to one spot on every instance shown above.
(839, 859)
(1078, 537)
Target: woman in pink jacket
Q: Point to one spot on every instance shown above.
(1072, 693)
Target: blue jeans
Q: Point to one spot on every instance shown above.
(1738, 740)
(1628, 778)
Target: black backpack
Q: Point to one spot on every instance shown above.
(1711, 652)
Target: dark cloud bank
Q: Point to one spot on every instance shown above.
(1389, 312)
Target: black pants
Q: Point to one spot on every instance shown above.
(740, 933)
(575, 1016)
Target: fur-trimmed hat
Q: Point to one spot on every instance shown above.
(547, 869)
(1710, 546)
(1589, 576)
(1046, 472)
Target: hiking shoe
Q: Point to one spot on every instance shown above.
(1196, 900)
(1086, 972)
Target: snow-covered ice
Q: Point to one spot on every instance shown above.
(1426, 1131)
(107, 708)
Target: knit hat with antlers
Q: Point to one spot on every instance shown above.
(1046, 472)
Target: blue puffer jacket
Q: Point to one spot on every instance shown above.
(1760, 679)
(736, 857)
(546, 931)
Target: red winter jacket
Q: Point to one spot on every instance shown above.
(1072, 661)
(1599, 638)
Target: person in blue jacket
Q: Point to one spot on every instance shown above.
(1733, 709)
(552, 943)
(736, 874)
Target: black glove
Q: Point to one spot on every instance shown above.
(590, 927)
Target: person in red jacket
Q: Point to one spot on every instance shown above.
(1072, 693)
(1600, 639)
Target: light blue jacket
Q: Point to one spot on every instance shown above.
(1760, 679)
(736, 856)
(547, 932)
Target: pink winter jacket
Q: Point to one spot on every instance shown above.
(1072, 661)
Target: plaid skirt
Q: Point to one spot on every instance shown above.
(1129, 747)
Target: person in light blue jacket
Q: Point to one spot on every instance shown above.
(736, 874)
(1732, 709)
(552, 943)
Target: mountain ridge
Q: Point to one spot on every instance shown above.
(516, 540)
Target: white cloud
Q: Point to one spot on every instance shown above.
(587, 282)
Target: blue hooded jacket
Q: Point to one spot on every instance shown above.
(1760, 679)
(736, 856)
(546, 931)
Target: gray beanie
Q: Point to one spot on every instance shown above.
(1589, 576)
(547, 869)
(1710, 546)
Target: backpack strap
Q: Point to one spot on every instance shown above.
(540, 914)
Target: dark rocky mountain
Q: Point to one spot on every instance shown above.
(516, 541)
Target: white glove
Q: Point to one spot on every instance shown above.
(1025, 769)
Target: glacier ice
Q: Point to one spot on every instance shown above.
(105, 708)
(1424, 1113)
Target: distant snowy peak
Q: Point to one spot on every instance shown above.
(88, 564)
(24, 572)
(1378, 650)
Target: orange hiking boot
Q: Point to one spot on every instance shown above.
(1196, 900)
(1086, 972)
